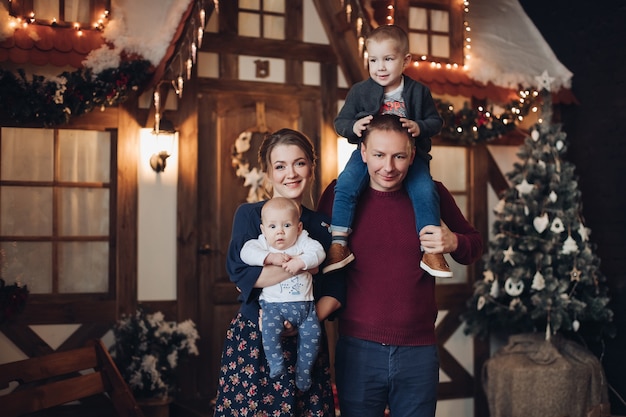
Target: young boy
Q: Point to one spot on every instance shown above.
(387, 91)
(284, 243)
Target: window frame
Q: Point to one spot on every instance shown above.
(55, 307)
(456, 12)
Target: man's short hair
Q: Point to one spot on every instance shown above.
(388, 123)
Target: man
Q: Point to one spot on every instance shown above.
(387, 350)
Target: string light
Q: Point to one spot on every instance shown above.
(31, 19)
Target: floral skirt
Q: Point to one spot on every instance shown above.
(245, 388)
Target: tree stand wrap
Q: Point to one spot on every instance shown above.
(531, 376)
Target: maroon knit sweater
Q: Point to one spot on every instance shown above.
(390, 299)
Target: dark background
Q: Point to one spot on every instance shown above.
(589, 39)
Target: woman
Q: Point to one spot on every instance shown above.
(288, 159)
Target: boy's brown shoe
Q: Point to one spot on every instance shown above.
(338, 257)
(436, 265)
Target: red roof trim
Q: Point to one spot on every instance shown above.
(46, 45)
(456, 82)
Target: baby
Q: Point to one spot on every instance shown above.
(284, 243)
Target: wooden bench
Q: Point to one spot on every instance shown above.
(62, 377)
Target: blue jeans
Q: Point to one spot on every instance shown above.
(371, 375)
(354, 178)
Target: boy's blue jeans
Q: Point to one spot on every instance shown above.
(354, 178)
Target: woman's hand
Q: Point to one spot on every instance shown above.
(289, 329)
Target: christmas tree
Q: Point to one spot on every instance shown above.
(541, 273)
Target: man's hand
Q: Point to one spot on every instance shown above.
(438, 239)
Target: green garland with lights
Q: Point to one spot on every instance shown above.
(470, 126)
(47, 102)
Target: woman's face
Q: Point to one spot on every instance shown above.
(290, 172)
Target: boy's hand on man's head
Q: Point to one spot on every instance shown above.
(361, 125)
(411, 126)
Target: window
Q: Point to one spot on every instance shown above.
(435, 31)
(262, 19)
(57, 209)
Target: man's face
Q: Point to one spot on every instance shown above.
(388, 155)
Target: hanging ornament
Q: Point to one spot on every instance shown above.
(553, 197)
(488, 276)
(499, 208)
(557, 226)
(539, 283)
(526, 210)
(480, 303)
(513, 288)
(524, 187)
(541, 164)
(583, 232)
(569, 246)
(575, 325)
(559, 145)
(494, 291)
(535, 135)
(508, 255)
(541, 223)
(574, 275)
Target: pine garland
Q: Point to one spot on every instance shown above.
(48, 102)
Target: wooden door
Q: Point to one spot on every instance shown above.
(223, 117)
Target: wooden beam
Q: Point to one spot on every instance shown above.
(259, 88)
(296, 50)
(343, 40)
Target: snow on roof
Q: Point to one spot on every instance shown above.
(508, 49)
